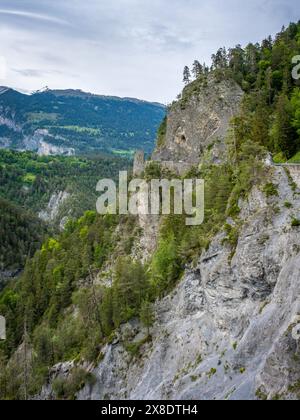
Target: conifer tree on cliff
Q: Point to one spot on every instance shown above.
(282, 132)
(186, 75)
(197, 69)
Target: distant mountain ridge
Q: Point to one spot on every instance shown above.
(69, 122)
(83, 94)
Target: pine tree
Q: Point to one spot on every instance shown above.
(165, 263)
(269, 90)
(220, 59)
(25, 359)
(139, 282)
(267, 43)
(236, 59)
(260, 122)
(107, 311)
(186, 75)
(295, 103)
(96, 299)
(252, 53)
(197, 69)
(282, 132)
(147, 315)
(205, 69)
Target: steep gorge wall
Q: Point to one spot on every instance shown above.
(200, 122)
(195, 125)
(227, 330)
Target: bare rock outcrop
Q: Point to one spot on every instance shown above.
(51, 213)
(201, 123)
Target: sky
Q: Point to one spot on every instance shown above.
(127, 48)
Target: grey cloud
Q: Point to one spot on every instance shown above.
(127, 47)
(36, 72)
(32, 15)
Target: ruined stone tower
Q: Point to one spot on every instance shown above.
(139, 163)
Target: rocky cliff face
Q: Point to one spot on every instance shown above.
(51, 213)
(229, 330)
(199, 123)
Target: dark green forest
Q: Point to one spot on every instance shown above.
(21, 234)
(27, 181)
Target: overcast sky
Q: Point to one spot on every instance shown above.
(133, 48)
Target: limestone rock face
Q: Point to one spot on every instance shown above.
(202, 122)
(51, 213)
(230, 329)
(47, 149)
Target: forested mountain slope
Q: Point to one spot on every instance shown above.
(73, 122)
(38, 195)
(214, 311)
(21, 233)
(30, 180)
